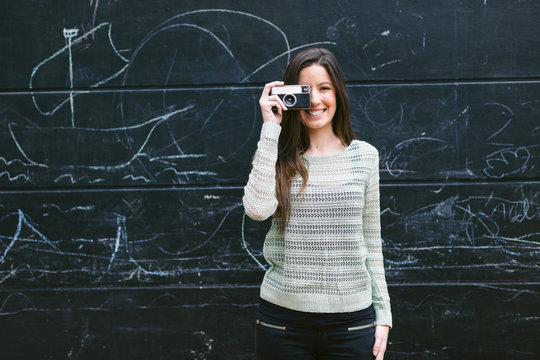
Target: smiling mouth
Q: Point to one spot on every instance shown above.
(315, 112)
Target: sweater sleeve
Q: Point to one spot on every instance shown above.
(259, 199)
(373, 240)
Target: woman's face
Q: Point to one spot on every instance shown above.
(323, 98)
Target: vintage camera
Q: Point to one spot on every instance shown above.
(293, 96)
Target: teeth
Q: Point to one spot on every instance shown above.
(315, 112)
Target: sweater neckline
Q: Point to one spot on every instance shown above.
(329, 156)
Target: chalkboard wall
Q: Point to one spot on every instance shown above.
(126, 133)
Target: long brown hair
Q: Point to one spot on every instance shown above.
(294, 138)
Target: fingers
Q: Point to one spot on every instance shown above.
(271, 105)
(274, 100)
(270, 85)
(381, 339)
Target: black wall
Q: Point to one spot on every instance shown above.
(124, 149)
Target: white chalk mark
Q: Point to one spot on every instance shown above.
(65, 49)
(135, 178)
(518, 210)
(71, 209)
(286, 53)
(387, 210)
(164, 26)
(504, 157)
(500, 130)
(245, 246)
(14, 178)
(152, 123)
(174, 157)
(374, 68)
(368, 43)
(11, 162)
(106, 80)
(79, 92)
(212, 114)
(225, 47)
(70, 34)
(95, 12)
(228, 11)
(116, 51)
(70, 177)
(186, 172)
(120, 227)
(518, 239)
(397, 153)
(12, 295)
(22, 220)
(438, 190)
(207, 240)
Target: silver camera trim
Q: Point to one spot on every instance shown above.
(285, 102)
(286, 89)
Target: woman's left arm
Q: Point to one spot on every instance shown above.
(374, 260)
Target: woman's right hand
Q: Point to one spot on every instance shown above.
(269, 102)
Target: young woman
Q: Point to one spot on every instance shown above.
(324, 295)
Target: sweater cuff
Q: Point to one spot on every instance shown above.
(270, 130)
(383, 317)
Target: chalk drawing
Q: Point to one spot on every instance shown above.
(127, 257)
(69, 139)
(500, 228)
(507, 162)
(73, 39)
(422, 136)
(190, 24)
(23, 221)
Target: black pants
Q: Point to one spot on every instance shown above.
(287, 334)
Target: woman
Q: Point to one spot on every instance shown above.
(324, 295)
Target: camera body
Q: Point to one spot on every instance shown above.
(293, 96)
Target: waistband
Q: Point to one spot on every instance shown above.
(273, 313)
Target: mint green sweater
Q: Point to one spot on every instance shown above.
(329, 258)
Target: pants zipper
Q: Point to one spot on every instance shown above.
(361, 327)
(259, 322)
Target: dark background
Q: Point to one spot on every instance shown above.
(124, 150)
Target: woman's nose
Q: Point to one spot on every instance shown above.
(315, 98)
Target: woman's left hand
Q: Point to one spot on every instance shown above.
(381, 338)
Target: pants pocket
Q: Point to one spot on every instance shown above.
(275, 341)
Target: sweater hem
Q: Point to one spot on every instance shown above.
(315, 303)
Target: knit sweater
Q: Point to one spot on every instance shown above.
(329, 258)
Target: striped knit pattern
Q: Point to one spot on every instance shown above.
(329, 258)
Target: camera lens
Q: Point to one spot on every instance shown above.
(289, 100)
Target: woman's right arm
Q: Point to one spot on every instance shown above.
(260, 192)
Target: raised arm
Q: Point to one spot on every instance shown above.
(260, 192)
